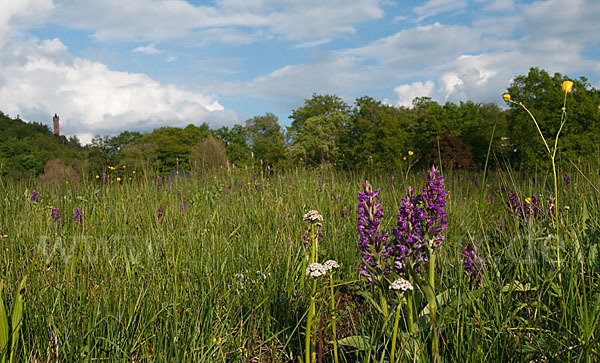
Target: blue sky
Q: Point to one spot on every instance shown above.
(107, 66)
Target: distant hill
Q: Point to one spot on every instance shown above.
(26, 147)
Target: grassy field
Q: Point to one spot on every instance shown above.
(211, 269)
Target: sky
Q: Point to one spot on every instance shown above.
(106, 66)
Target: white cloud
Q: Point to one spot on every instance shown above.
(330, 74)
(408, 92)
(435, 7)
(15, 15)
(43, 79)
(500, 6)
(160, 20)
(420, 46)
(148, 49)
(314, 43)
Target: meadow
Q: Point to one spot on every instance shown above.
(211, 269)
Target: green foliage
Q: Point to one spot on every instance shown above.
(377, 135)
(316, 130)
(236, 144)
(326, 130)
(543, 96)
(208, 154)
(267, 140)
(26, 147)
(171, 145)
(127, 285)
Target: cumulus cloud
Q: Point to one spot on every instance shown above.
(41, 79)
(408, 92)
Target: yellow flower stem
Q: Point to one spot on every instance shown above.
(552, 154)
(487, 157)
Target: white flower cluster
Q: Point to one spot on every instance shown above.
(331, 264)
(312, 216)
(401, 284)
(317, 269)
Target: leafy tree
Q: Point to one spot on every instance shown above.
(543, 96)
(377, 134)
(267, 140)
(236, 143)
(112, 145)
(316, 128)
(318, 105)
(140, 156)
(208, 154)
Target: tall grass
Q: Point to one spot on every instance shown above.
(220, 280)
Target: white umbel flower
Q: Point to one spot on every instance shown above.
(330, 265)
(316, 270)
(401, 284)
(313, 216)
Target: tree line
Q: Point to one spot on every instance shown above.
(327, 130)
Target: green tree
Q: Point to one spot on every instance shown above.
(236, 143)
(377, 134)
(543, 96)
(267, 140)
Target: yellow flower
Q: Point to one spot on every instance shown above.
(97, 176)
(370, 156)
(66, 182)
(111, 167)
(248, 183)
(567, 86)
(129, 178)
(404, 158)
(528, 200)
(123, 166)
(301, 159)
(506, 97)
(410, 153)
(118, 179)
(217, 340)
(133, 172)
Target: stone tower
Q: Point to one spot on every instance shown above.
(56, 130)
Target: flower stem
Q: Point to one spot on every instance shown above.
(395, 334)
(430, 294)
(411, 324)
(333, 320)
(383, 302)
(309, 321)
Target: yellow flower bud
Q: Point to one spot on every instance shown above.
(410, 153)
(506, 97)
(567, 86)
(118, 179)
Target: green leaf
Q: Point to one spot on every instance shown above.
(441, 299)
(356, 341)
(17, 316)
(3, 326)
(518, 286)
